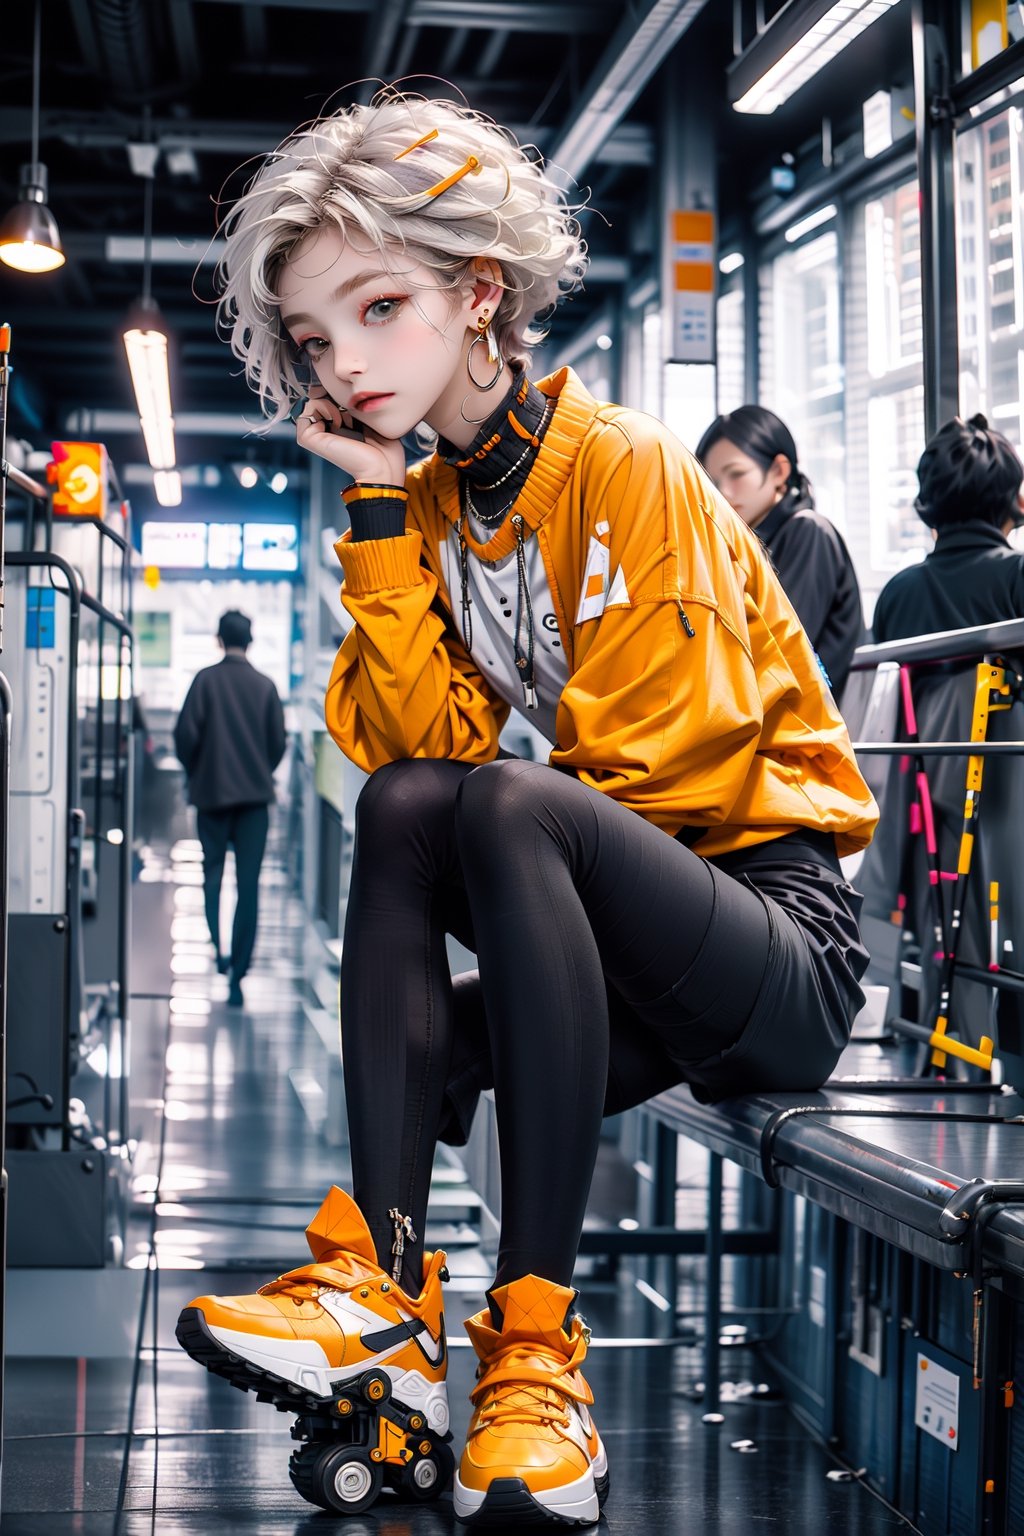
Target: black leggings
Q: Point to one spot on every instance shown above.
(610, 957)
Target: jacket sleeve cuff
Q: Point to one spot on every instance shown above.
(376, 519)
(373, 565)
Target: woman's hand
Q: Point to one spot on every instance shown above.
(323, 428)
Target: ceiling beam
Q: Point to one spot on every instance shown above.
(515, 15)
(628, 144)
(643, 39)
(386, 22)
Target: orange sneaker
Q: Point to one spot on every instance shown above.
(360, 1361)
(532, 1452)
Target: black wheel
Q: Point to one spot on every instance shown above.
(302, 1471)
(427, 1477)
(347, 1480)
(375, 1387)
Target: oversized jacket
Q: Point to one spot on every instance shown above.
(693, 695)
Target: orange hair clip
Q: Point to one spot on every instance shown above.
(471, 167)
(418, 145)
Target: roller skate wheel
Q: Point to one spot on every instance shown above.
(425, 1475)
(349, 1483)
(338, 1478)
(352, 1482)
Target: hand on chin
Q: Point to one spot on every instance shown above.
(340, 438)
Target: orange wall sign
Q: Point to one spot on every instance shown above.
(81, 479)
(693, 286)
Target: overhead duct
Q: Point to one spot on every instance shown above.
(639, 46)
(121, 33)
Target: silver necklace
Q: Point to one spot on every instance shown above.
(495, 483)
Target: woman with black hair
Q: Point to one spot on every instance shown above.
(751, 456)
(970, 496)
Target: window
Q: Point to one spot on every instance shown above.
(885, 393)
(801, 366)
(990, 276)
(731, 388)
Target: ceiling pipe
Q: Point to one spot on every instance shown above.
(638, 47)
(121, 32)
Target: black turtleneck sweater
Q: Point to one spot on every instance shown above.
(497, 454)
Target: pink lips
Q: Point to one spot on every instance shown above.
(368, 402)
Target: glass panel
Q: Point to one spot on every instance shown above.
(731, 350)
(650, 381)
(990, 270)
(885, 397)
(801, 366)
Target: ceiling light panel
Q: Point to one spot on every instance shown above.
(823, 40)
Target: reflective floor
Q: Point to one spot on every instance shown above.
(238, 1138)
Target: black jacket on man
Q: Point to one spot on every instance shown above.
(972, 576)
(814, 566)
(230, 736)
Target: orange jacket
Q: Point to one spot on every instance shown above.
(693, 698)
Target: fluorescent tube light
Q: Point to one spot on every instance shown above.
(147, 360)
(731, 263)
(804, 226)
(167, 486)
(835, 27)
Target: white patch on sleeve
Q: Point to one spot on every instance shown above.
(594, 591)
(618, 592)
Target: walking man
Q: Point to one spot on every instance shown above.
(229, 738)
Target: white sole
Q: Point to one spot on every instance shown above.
(573, 1501)
(303, 1363)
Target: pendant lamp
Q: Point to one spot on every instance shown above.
(29, 238)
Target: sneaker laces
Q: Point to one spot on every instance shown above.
(540, 1391)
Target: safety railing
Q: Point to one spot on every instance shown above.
(996, 654)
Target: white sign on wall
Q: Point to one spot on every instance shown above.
(937, 1402)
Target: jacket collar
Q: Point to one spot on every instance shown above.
(575, 410)
(769, 526)
(975, 534)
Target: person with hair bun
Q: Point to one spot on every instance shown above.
(970, 496)
(751, 456)
(660, 901)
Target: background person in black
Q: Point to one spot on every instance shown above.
(230, 737)
(970, 495)
(970, 479)
(751, 456)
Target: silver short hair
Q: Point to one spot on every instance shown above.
(375, 171)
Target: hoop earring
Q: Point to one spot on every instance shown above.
(484, 336)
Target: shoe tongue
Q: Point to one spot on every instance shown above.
(338, 1228)
(532, 1311)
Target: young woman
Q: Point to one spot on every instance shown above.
(751, 456)
(661, 901)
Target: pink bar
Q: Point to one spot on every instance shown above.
(908, 702)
